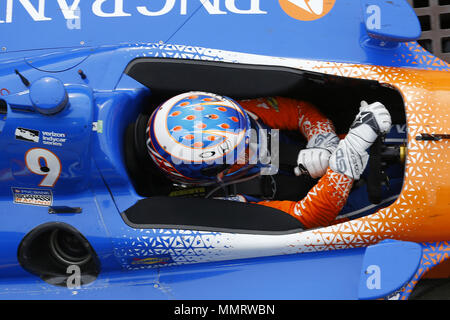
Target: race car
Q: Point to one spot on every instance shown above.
(86, 216)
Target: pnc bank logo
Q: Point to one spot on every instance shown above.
(307, 10)
(71, 10)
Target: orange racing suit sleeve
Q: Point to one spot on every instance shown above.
(322, 204)
(289, 114)
(326, 199)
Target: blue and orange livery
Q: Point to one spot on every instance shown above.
(74, 192)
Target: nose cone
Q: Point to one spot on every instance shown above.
(48, 95)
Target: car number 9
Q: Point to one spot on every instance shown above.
(45, 163)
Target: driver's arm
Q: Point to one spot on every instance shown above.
(289, 114)
(324, 202)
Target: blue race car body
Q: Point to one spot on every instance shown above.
(74, 77)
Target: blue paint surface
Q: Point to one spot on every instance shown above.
(264, 28)
(92, 173)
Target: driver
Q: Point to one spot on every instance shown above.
(200, 139)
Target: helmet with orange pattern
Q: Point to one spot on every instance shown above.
(202, 138)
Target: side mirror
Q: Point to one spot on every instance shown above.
(391, 20)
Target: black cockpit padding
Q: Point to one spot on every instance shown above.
(209, 215)
(172, 76)
(145, 176)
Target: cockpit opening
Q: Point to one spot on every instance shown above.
(338, 98)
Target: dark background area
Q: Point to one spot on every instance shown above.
(434, 17)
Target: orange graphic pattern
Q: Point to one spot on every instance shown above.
(432, 255)
(421, 213)
(419, 57)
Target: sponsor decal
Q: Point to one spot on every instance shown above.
(307, 10)
(98, 126)
(153, 260)
(27, 135)
(188, 192)
(116, 8)
(53, 138)
(34, 197)
(207, 154)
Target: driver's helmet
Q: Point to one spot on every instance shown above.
(202, 138)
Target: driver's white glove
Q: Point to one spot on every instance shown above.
(315, 158)
(350, 157)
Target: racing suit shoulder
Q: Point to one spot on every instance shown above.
(289, 114)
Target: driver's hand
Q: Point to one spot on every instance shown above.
(314, 160)
(350, 158)
(378, 112)
(372, 121)
(316, 156)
